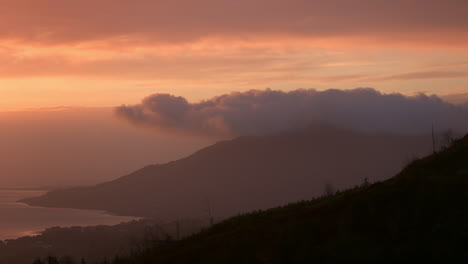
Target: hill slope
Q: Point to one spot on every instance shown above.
(419, 215)
(248, 173)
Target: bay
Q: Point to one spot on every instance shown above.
(18, 219)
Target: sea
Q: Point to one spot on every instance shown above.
(18, 219)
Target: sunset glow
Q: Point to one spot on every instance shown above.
(55, 53)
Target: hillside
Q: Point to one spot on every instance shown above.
(420, 215)
(248, 173)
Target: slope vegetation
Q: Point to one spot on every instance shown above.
(420, 215)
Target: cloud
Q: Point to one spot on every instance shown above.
(152, 63)
(423, 75)
(176, 21)
(259, 112)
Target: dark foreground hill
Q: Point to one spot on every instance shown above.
(248, 173)
(420, 215)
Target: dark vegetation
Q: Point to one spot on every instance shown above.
(420, 215)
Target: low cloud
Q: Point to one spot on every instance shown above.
(259, 112)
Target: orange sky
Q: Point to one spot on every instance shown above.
(106, 53)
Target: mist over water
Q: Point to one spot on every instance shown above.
(17, 219)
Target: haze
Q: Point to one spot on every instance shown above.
(76, 146)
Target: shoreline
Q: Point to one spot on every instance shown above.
(21, 219)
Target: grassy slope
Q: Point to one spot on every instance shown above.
(420, 214)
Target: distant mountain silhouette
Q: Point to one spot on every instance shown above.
(248, 173)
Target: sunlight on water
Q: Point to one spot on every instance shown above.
(17, 219)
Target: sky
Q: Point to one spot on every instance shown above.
(112, 52)
(61, 147)
(76, 75)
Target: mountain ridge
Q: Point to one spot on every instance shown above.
(418, 215)
(272, 170)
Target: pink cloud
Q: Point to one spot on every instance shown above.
(56, 21)
(422, 75)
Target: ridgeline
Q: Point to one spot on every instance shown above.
(421, 214)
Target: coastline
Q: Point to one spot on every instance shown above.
(20, 218)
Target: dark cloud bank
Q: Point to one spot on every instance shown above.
(259, 112)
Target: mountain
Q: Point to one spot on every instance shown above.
(418, 216)
(248, 173)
